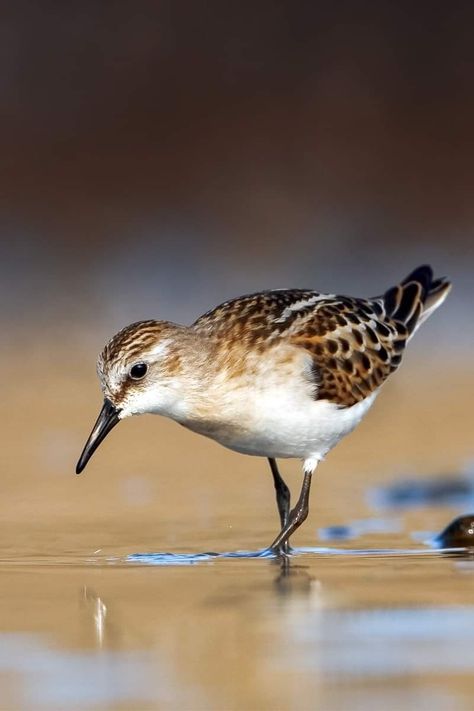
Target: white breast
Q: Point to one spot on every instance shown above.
(275, 414)
(281, 429)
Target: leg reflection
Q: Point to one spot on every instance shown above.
(98, 612)
(293, 579)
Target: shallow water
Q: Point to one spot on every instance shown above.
(141, 584)
(332, 628)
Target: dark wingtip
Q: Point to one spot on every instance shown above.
(423, 275)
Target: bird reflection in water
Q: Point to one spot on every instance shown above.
(294, 580)
(98, 610)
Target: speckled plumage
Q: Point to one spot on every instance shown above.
(283, 373)
(355, 343)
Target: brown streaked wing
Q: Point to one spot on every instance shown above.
(353, 345)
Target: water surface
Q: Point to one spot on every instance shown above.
(332, 628)
(140, 584)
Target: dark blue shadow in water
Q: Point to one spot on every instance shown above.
(358, 528)
(456, 490)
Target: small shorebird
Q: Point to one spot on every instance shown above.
(284, 373)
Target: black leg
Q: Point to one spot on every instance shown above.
(282, 493)
(283, 499)
(296, 517)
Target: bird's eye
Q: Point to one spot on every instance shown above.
(138, 371)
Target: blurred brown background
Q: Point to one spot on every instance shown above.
(160, 157)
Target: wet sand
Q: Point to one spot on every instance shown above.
(378, 620)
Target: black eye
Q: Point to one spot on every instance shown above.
(138, 371)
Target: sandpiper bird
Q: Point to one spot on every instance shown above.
(284, 373)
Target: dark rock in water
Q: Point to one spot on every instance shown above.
(439, 491)
(459, 533)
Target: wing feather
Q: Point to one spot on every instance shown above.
(353, 346)
(354, 343)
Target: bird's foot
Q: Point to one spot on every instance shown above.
(284, 550)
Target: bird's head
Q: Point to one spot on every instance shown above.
(140, 370)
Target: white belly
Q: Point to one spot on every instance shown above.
(275, 426)
(273, 410)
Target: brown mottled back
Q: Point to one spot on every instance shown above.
(355, 343)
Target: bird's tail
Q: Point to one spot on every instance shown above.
(413, 300)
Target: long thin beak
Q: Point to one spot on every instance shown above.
(108, 418)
